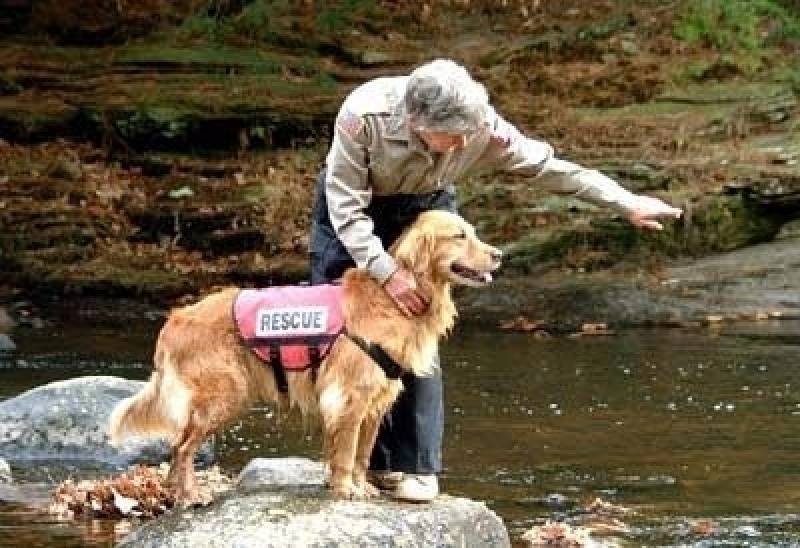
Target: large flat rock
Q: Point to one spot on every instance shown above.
(282, 503)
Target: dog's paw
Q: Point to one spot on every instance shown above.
(347, 491)
(368, 490)
(194, 499)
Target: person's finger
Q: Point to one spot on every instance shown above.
(649, 224)
(668, 211)
(672, 213)
(426, 300)
(403, 308)
(414, 303)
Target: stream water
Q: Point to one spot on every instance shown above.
(677, 425)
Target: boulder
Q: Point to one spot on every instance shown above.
(761, 278)
(288, 471)
(6, 343)
(282, 502)
(6, 322)
(67, 420)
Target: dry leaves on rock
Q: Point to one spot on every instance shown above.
(139, 492)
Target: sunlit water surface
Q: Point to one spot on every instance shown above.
(678, 425)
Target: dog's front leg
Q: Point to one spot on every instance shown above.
(366, 442)
(342, 438)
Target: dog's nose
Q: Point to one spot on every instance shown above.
(497, 255)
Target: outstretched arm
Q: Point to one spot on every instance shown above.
(508, 149)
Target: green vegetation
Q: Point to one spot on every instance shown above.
(278, 22)
(737, 24)
(242, 59)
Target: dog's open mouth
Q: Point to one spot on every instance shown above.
(480, 277)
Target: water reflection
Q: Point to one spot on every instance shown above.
(672, 423)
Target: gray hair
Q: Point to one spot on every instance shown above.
(442, 96)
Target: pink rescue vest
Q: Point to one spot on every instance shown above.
(296, 323)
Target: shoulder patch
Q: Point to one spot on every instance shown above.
(350, 122)
(377, 96)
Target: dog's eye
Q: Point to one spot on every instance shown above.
(461, 235)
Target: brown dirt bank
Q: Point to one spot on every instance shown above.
(170, 152)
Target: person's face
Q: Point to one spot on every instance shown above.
(442, 141)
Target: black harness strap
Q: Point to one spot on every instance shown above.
(315, 358)
(381, 358)
(276, 363)
(378, 355)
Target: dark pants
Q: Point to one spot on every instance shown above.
(410, 437)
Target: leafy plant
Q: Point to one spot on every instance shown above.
(737, 24)
(337, 17)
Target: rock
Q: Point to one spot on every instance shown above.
(6, 343)
(281, 472)
(6, 323)
(5, 472)
(790, 230)
(281, 502)
(375, 58)
(756, 279)
(629, 47)
(68, 420)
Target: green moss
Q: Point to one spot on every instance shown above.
(715, 224)
(736, 24)
(213, 56)
(9, 86)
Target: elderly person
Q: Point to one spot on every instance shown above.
(399, 146)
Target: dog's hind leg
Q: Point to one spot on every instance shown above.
(208, 414)
(181, 474)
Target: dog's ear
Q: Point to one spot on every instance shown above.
(414, 250)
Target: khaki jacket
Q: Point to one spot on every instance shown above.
(374, 153)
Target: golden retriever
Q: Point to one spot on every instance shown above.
(204, 377)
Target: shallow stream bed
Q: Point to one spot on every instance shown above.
(680, 426)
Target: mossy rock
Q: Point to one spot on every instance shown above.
(711, 224)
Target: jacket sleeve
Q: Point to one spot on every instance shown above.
(509, 150)
(348, 195)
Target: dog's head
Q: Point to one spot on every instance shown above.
(442, 246)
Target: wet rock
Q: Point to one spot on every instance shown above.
(790, 230)
(68, 420)
(281, 502)
(5, 472)
(6, 323)
(281, 472)
(742, 283)
(6, 343)
(556, 500)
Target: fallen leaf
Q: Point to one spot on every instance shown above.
(124, 504)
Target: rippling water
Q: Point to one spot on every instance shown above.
(678, 425)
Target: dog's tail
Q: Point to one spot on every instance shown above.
(161, 408)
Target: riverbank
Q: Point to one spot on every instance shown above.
(156, 163)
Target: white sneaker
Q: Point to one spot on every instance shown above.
(417, 488)
(384, 480)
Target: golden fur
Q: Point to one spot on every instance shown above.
(203, 377)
